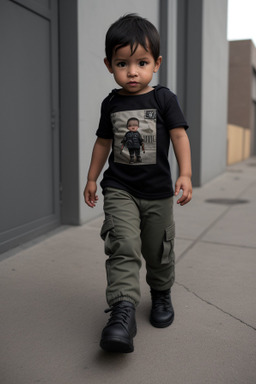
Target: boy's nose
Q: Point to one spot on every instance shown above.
(132, 71)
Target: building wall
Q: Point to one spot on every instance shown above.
(239, 140)
(214, 89)
(29, 124)
(202, 79)
(239, 83)
(241, 101)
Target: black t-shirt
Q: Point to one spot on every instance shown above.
(153, 114)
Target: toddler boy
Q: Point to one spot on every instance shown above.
(138, 197)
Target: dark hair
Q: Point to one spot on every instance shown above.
(132, 118)
(132, 30)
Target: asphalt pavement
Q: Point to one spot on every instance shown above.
(52, 300)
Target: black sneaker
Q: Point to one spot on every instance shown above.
(162, 313)
(118, 334)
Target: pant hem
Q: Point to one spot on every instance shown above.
(161, 288)
(122, 298)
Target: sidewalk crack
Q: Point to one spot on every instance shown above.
(215, 306)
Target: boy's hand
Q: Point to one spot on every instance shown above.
(90, 196)
(184, 183)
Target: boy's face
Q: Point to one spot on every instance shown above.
(133, 125)
(133, 73)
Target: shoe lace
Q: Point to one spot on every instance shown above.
(161, 301)
(119, 314)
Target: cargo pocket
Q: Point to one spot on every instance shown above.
(168, 245)
(106, 230)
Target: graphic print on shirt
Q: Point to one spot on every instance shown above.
(134, 137)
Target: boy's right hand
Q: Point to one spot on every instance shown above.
(90, 196)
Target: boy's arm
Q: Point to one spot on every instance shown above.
(182, 152)
(99, 157)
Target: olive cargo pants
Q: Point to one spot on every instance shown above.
(133, 227)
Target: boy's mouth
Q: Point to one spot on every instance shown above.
(132, 83)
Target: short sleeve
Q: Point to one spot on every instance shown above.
(105, 130)
(173, 115)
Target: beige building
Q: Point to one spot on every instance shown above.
(241, 101)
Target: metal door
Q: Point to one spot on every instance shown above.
(29, 129)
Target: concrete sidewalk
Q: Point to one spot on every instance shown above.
(52, 300)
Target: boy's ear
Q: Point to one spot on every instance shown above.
(158, 63)
(108, 65)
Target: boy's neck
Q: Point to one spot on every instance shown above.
(143, 92)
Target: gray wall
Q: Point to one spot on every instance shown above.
(69, 138)
(214, 89)
(202, 56)
(29, 124)
(168, 70)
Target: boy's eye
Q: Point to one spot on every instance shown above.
(142, 63)
(121, 64)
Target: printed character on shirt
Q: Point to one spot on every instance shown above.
(133, 140)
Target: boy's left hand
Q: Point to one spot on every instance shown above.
(184, 183)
